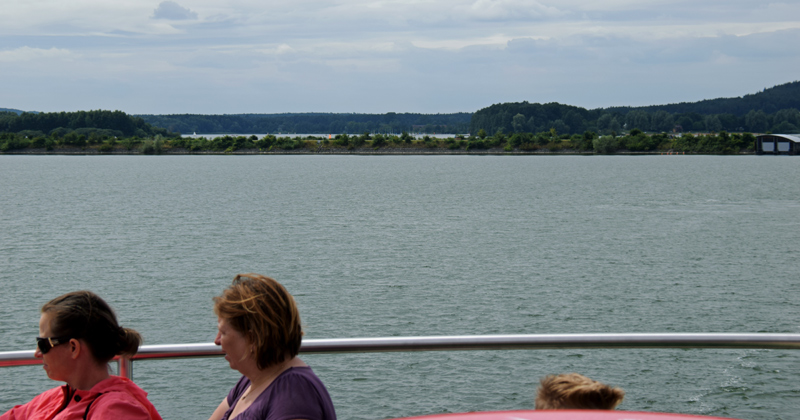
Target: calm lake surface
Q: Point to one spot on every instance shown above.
(423, 245)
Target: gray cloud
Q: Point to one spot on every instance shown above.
(443, 56)
(173, 11)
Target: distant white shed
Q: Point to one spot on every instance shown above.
(778, 144)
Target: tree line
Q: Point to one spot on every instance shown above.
(525, 117)
(769, 101)
(99, 123)
(636, 141)
(772, 110)
(308, 123)
(510, 127)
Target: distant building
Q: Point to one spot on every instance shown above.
(777, 144)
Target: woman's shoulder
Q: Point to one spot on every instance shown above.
(46, 402)
(123, 399)
(56, 394)
(238, 389)
(298, 373)
(123, 407)
(299, 393)
(298, 376)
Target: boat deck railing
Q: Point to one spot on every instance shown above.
(463, 342)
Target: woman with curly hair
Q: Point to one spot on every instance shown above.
(260, 334)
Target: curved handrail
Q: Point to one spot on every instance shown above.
(473, 342)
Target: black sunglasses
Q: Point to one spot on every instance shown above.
(47, 343)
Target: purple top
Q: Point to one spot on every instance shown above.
(297, 393)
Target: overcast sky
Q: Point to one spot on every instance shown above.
(257, 56)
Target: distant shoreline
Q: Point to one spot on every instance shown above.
(363, 151)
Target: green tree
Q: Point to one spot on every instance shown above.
(756, 121)
(265, 142)
(638, 119)
(342, 140)
(785, 127)
(713, 124)
(575, 121)
(38, 142)
(560, 126)
(662, 121)
(604, 145)
(519, 122)
(748, 141)
(378, 140)
(603, 123)
(358, 141)
(613, 126)
(790, 115)
(584, 141)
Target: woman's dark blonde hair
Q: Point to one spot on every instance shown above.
(84, 315)
(265, 313)
(574, 391)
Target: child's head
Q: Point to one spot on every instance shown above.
(574, 391)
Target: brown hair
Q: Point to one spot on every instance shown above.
(265, 313)
(574, 391)
(84, 315)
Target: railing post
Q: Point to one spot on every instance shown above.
(125, 367)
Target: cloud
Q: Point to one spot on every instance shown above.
(422, 55)
(173, 11)
(23, 54)
(284, 49)
(511, 10)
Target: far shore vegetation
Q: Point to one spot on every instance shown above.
(634, 141)
(718, 126)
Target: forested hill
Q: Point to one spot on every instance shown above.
(317, 123)
(98, 123)
(774, 109)
(770, 100)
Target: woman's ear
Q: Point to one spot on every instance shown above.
(251, 342)
(75, 348)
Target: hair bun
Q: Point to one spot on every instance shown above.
(129, 341)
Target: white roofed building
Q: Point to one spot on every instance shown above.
(778, 144)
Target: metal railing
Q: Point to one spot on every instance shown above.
(464, 342)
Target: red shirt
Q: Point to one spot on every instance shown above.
(112, 398)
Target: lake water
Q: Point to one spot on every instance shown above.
(375, 246)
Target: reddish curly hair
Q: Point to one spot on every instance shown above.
(575, 391)
(265, 313)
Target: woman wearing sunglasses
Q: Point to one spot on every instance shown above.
(78, 336)
(260, 334)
